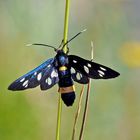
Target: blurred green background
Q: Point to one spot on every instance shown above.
(114, 27)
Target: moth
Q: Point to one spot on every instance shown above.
(63, 70)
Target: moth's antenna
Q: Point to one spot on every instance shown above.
(74, 37)
(41, 45)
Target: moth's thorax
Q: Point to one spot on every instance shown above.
(64, 74)
(62, 64)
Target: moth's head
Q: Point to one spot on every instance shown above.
(62, 50)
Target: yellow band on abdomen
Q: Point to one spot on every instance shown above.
(62, 68)
(66, 89)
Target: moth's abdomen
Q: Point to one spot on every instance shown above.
(66, 87)
(67, 94)
(68, 98)
(65, 90)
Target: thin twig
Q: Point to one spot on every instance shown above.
(87, 101)
(59, 118)
(66, 21)
(66, 24)
(77, 112)
(85, 111)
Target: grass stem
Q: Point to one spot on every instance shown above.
(85, 111)
(65, 36)
(59, 118)
(77, 112)
(66, 24)
(87, 100)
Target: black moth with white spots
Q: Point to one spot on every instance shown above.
(63, 69)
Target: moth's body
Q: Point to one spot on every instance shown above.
(66, 85)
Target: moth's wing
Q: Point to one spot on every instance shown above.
(91, 69)
(77, 76)
(49, 79)
(34, 77)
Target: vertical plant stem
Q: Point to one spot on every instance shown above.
(85, 111)
(77, 112)
(87, 101)
(59, 118)
(66, 24)
(65, 36)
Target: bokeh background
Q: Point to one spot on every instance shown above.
(114, 27)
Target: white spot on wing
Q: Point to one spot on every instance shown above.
(49, 66)
(102, 68)
(89, 65)
(72, 70)
(35, 73)
(78, 76)
(39, 76)
(54, 74)
(74, 61)
(49, 81)
(25, 84)
(86, 69)
(101, 72)
(22, 79)
(100, 75)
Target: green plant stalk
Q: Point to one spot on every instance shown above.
(66, 24)
(65, 37)
(59, 118)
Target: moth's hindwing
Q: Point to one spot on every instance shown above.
(77, 76)
(91, 69)
(35, 77)
(49, 79)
